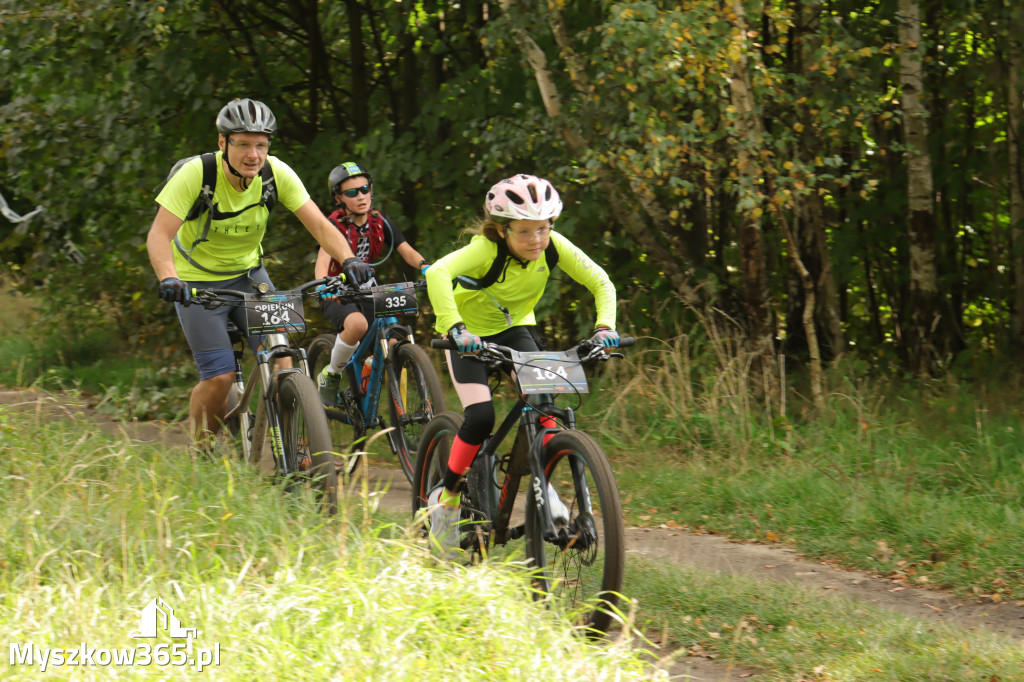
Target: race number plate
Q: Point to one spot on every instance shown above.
(550, 372)
(395, 300)
(276, 313)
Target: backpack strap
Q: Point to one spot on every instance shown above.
(269, 186)
(551, 256)
(205, 202)
(498, 264)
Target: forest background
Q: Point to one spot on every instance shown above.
(832, 187)
(836, 179)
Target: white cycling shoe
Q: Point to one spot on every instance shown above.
(559, 512)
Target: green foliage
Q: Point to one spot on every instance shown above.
(440, 102)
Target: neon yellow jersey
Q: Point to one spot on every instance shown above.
(233, 243)
(518, 289)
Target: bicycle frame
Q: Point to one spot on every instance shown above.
(377, 341)
(525, 458)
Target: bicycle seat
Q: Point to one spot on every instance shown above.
(234, 333)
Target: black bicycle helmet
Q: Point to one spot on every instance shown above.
(246, 116)
(343, 172)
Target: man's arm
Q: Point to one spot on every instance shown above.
(158, 243)
(323, 262)
(325, 234)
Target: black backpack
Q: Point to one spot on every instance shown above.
(204, 201)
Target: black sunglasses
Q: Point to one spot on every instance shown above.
(365, 189)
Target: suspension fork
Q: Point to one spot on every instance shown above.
(279, 348)
(269, 386)
(538, 473)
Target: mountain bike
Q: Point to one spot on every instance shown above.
(414, 390)
(578, 561)
(289, 421)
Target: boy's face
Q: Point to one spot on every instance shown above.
(359, 186)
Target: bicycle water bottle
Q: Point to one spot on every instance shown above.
(364, 383)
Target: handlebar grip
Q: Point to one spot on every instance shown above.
(442, 344)
(626, 341)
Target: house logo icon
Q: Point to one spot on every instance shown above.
(158, 615)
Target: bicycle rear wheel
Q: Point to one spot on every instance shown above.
(435, 445)
(418, 398)
(307, 440)
(431, 462)
(582, 571)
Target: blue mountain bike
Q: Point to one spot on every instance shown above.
(413, 388)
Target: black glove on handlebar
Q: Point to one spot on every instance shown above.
(356, 271)
(173, 290)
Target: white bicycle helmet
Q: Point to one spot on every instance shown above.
(523, 197)
(246, 116)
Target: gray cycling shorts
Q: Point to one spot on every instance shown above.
(207, 330)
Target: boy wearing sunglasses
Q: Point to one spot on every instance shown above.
(372, 236)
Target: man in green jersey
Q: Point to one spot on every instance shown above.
(221, 247)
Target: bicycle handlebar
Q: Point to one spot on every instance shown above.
(211, 298)
(348, 295)
(494, 352)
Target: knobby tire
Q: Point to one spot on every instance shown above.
(307, 440)
(346, 429)
(432, 456)
(420, 397)
(585, 575)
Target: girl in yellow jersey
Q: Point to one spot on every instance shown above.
(517, 229)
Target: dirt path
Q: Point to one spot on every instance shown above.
(704, 552)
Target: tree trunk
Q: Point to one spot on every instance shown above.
(670, 265)
(924, 343)
(756, 293)
(809, 233)
(1013, 138)
(808, 286)
(357, 110)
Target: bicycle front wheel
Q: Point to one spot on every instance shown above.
(307, 440)
(415, 397)
(582, 568)
(339, 419)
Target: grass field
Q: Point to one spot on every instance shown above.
(918, 481)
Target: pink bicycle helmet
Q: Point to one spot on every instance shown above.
(523, 197)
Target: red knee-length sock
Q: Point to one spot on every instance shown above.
(461, 456)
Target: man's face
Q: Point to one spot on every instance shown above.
(355, 194)
(246, 152)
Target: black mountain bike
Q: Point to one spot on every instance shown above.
(289, 425)
(387, 355)
(578, 561)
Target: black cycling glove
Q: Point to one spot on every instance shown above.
(173, 290)
(356, 271)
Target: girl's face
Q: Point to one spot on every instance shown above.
(527, 239)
